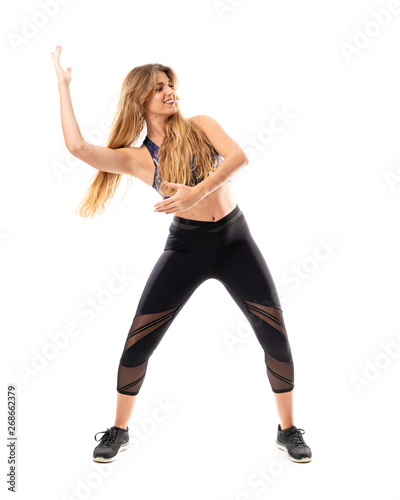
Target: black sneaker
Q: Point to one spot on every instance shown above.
(113, 441)
(291, 441)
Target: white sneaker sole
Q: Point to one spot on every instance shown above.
(103, 460)
(298, 460)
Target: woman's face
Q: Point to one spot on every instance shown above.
(157, 103)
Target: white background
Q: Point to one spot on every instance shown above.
(330, 175)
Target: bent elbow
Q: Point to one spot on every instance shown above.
(76, 149)
(243, 158)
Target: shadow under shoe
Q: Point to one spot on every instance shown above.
(291, 440)
(113, 441)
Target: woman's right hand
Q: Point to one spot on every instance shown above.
(62, 76)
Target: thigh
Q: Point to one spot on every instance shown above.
(242, 267)
(179, 270)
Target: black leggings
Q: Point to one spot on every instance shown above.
(196, 251)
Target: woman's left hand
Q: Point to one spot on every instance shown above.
(185, 197)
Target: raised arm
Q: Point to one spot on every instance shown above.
(128, 161)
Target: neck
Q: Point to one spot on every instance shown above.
(156, 128)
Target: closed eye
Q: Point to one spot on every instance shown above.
(160, 88)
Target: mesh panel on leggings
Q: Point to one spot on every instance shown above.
(278, 357)
(143, 337)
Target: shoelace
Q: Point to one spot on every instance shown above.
(109, 436)
(295, 436)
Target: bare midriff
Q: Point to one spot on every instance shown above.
(213, 207)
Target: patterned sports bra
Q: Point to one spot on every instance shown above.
(154, 151)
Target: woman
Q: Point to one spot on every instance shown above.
(208, 236)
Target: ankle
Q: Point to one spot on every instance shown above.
(287, 424)
(121, 426)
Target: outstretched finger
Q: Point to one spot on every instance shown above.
(172, 184)
(58, 58)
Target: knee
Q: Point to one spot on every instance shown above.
(275, 344)
(135, 355)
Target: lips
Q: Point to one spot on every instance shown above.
(171, 101)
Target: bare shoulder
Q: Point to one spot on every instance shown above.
(221, 141)
(202, 120)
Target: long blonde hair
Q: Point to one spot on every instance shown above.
(184, 144)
